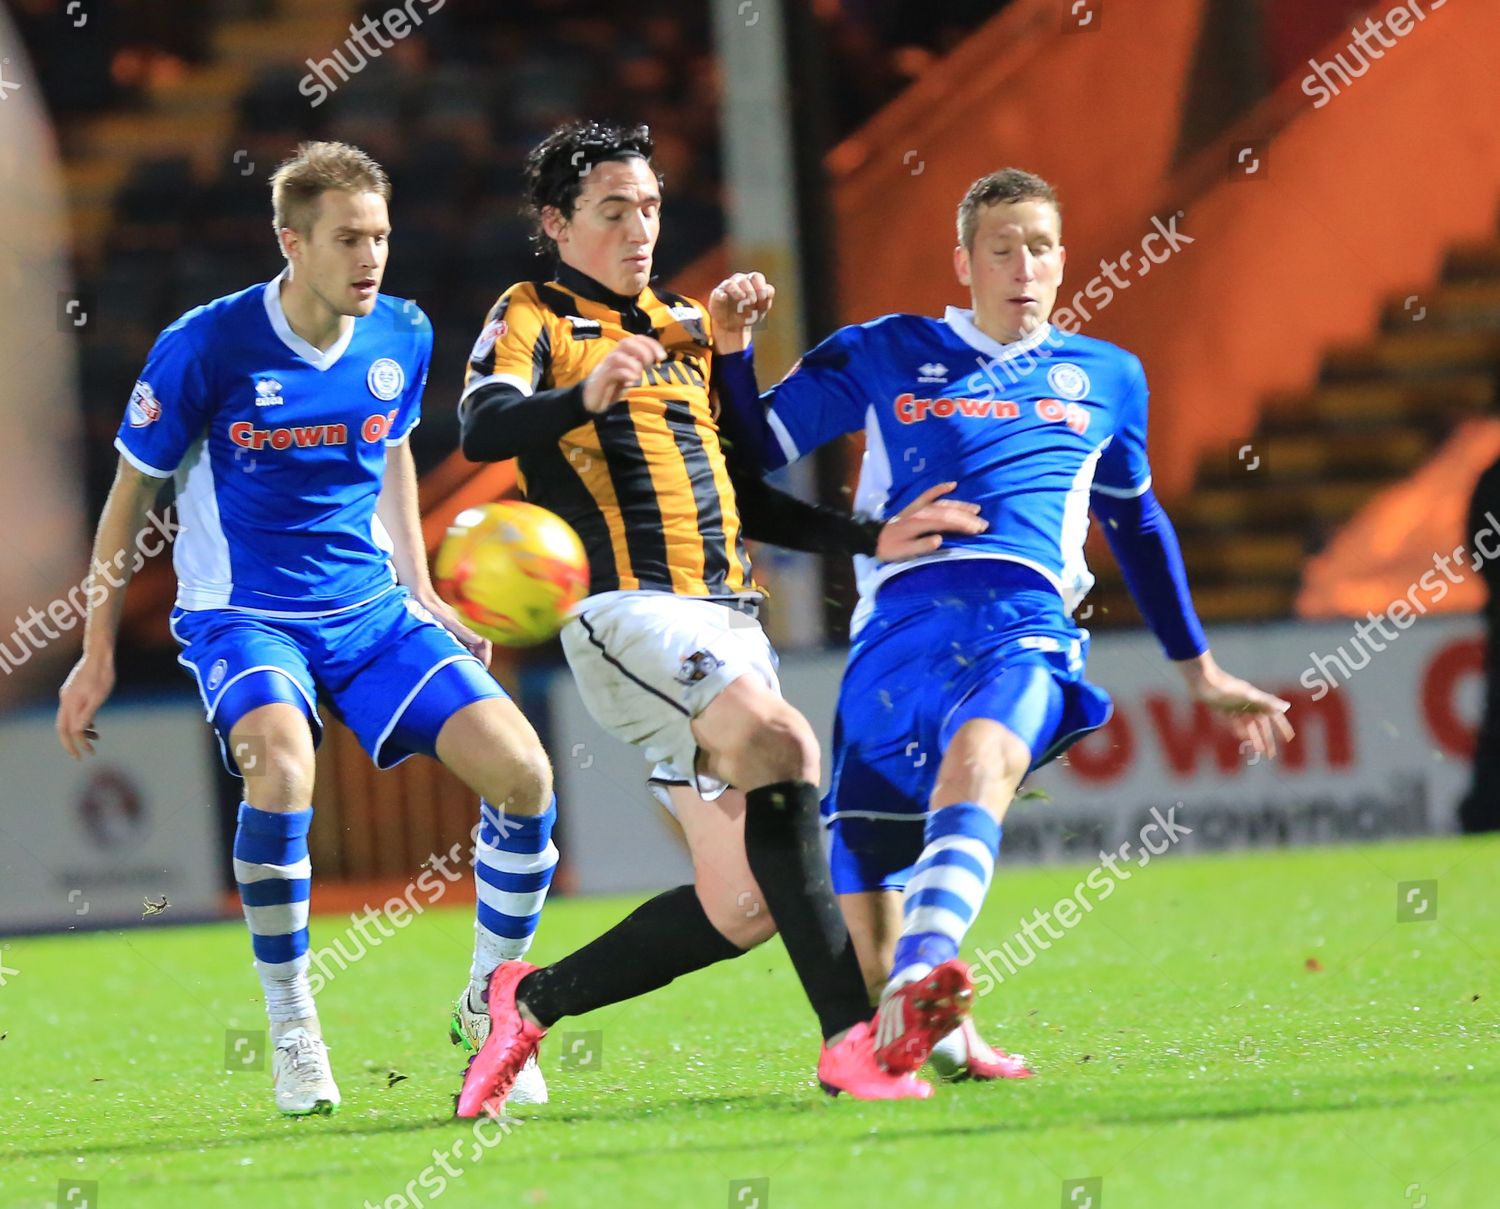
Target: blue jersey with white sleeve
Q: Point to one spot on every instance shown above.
(1028, 430)
(277, 449)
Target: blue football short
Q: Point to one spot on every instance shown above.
(387, 668)
(946, 642)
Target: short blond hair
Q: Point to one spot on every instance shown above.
(1001, 188)
(300, 181)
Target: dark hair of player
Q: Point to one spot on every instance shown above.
(1000, 189)
(557, 167)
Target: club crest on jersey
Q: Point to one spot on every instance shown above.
(144, 407)
(697, 666)
(385, 379)
(585, 329)
(1068, 381)
(268, 393)
(691, 320)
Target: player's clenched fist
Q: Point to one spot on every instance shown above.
(736, 305)
(619, 371)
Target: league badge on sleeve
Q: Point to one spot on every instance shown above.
(494, 330)
(386, 378)
(144, 407)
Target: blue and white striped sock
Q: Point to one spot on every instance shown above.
(274, 874)
(513, 862)
(947, 887)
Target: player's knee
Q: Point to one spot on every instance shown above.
(280, 775)
(782, 745)
(984, 762)
(525, 779)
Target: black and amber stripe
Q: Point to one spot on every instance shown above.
(645, 485)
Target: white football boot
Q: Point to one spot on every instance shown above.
(963, 1054)
(470, 1026)
(304, 1081)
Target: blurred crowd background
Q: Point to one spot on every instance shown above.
(450, 111)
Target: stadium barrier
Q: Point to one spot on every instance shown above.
(131, 833)
(1385, 724)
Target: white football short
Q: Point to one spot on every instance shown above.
(648, 663)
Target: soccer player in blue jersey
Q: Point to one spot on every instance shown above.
(283, 414)
(966, 669)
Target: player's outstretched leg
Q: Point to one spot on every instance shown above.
(686, 929)
(493, 748)
(754, 738)
(929, 992)
(273, 747)
(662, 939)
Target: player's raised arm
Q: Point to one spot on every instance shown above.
(115, 560)
(822, 397)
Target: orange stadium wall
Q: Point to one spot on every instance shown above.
(1353, 201)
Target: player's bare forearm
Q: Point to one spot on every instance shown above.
(130, 499)
(399, 513)
(115, 559)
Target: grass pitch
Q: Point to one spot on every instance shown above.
(1255, 1030)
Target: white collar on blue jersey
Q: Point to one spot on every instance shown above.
(961, 320)
(319, 359)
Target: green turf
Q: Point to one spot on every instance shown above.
(1224, 1032)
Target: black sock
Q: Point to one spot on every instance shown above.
(786, 856)
(660, 940)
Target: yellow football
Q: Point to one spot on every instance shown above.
(512, 571)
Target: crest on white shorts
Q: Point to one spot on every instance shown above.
(697, 666)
